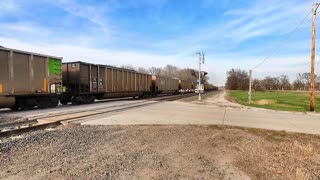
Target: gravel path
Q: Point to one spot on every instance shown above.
(214, 98)
(159, 152)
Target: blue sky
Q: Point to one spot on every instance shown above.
(149, 33)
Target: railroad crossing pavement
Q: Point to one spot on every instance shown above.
(211, 114)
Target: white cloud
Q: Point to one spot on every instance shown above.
(102, 56)
(94, 14)
(7, 6)
(268, 20)
(97, 15)
(12, 29)
(106, 43)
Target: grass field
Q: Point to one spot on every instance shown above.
(277, 100)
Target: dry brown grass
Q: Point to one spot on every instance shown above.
(230, 98)
(264, 102)
(280, 155)
(301, 174)
(162, 152)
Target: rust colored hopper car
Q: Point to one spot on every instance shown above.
(85, 82)
(210, 87)
(28, 79)
(164, 85)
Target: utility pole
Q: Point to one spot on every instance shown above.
(250, 86)
(201, 61)
(312, 81)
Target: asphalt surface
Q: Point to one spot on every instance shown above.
(214, 110)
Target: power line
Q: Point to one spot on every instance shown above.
(284, 42)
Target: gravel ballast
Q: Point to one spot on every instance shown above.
(159, 152)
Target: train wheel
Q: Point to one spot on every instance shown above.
(54, 102)
(92, 99)
(87, 99)
(15, 107)
(77, 100)
(74, 102)
(64, 102)
(43, 104)
(26, 104)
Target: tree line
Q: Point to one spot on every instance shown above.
(238, 79)
(171, 71)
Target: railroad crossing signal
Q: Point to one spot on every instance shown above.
(201, 61)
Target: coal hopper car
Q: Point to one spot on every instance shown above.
(186, 86)
(210, 87)
(164, 85)
(85, 82)
(29, 80)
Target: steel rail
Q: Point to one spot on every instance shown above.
(40, 123)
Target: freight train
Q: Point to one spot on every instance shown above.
(29, 80)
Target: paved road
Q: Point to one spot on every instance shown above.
(215, 110)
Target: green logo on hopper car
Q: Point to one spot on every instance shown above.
(54, 66)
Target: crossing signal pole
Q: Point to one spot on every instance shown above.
(201, 61)
(250, 86)
(312, 80)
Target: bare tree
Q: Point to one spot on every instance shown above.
(298, 84)
(284, 82)
(237, 79)
(155, 71)
(268, 83)
(317, 79)
(171, 71)
(306, 79)
(257, 85)
(142, 70)
(128, 66)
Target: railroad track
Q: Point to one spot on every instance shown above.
(56, 119)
